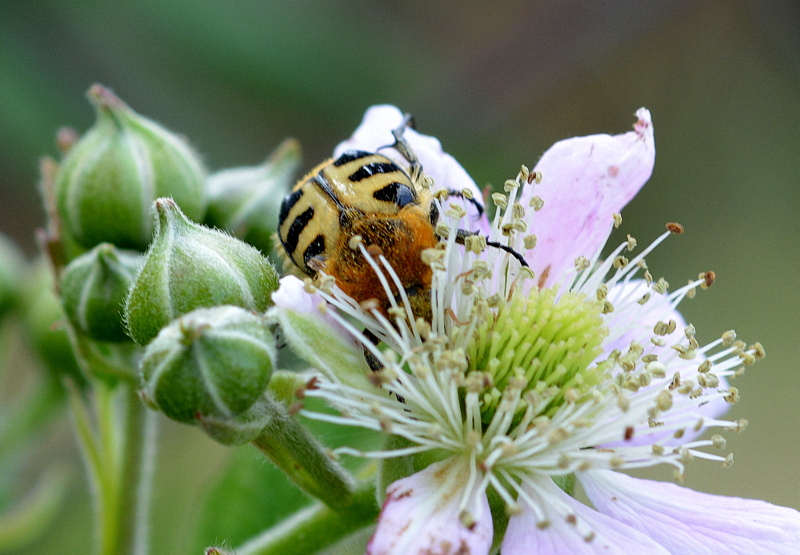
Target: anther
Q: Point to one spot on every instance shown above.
(728, 338)
(747, 359)
(455, 211)
(510, 185)
(355, 241)
(375, 251)
(708, 279)
(631, 243)
(657, 369)
(718, 441)
(529, 242)
(536, 203)
(617, 220)
(500, 200)
(675, 228)
(309, 287)
(581, 263)
(368, 305)
(664, 401)
(525, 272)
(661, 286)
(664, 328)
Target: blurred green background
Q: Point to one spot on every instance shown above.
(497, 83)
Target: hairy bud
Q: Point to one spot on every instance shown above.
(110, 177)
(190, 266)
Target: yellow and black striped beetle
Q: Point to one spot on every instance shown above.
(368, 195)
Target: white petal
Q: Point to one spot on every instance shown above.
(375, 134)
(686, 521)
(607, 535)
(421, 514)
(585, 181)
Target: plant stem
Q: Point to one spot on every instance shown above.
(292, 449)
(135, 476)
(316, 527)
(118, 444)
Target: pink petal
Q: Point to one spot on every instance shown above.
(421, 514)
(375, 134)
(291, 295)
(523, 536)
(686, 521)
(585, 181)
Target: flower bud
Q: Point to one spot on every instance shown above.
(44, 325)
(212, 362)
(112, 175)
(12, 266)
(246, 200)
(190, 266)
(93, 291)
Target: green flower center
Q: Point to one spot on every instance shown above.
(543, 344)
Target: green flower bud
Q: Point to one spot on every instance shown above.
(12, 267)
(111, 176)
(246, 201)
(93, 291)
(44, 325)
(189, 266)
(212, 362)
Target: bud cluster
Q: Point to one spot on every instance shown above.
(129, 183)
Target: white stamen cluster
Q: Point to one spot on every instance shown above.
(524, 393)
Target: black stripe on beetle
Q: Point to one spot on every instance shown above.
(297, 227)
(288, 203)
(368, 170)
(396, 193)
(349, 156)
(316, 248)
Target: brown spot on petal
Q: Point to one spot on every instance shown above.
(613, 171)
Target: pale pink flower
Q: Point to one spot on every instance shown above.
(574, 368)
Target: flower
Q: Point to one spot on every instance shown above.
(529, 377)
